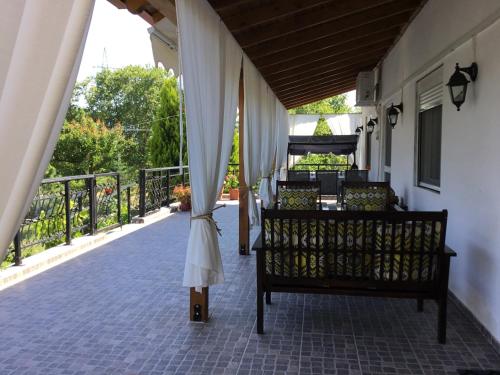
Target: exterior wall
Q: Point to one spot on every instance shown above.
(443, 33)
(340, 124)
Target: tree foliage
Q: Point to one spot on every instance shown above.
(335, 104)
(322, 127)
(163, 145)
(235, 155)
(88, 146)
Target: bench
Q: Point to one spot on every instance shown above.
(370, 253)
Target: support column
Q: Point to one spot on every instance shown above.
(198, 305)
(244, 222)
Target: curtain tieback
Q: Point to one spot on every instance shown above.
(210, 218)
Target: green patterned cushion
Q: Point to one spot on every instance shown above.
(365, 199)
(412, 251)
(298, 199)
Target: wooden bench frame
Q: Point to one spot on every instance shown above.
(435, 289)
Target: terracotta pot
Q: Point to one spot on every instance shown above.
(234, 194)
(185, 206)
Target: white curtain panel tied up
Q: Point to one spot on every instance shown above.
(254, 86)
(211, 64)
(268, 141)
(282, 130)
(41, 45)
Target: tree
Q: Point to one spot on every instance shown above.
(163, 145)
(235, 148)
(335, 104)
(88, 147)
(129, 96)
(322, 127)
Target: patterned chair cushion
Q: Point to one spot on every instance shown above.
(298, 199)
(365, 199)
(412, 251)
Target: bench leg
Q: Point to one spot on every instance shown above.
(268, 297)
(442, 308)
(260, 310)
(420, 304)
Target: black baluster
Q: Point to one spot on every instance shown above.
(67, 211)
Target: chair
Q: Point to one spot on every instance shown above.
(329, 181)
(356, 175)
(299, 175)
(298, 195)
(366, 196)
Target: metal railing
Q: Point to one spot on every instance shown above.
(68, 207)
(317, 167)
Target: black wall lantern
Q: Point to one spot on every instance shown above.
(392, 114)
(358, 130)
(458, 83)
(370, 125)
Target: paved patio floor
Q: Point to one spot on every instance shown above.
(121, 310)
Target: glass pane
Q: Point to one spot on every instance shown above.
(388, 145)
(430, 146)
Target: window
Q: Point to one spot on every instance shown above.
(388, 148)
(429, 135)
(430, 90)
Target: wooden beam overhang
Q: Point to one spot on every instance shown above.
(306, 50)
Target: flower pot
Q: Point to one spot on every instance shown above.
(185, 206)
(234, 194)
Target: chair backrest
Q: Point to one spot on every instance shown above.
(356, 175)
(298, 195)
(298, 175)
(329, 181)
(365, 196)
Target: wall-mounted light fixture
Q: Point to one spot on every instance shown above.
(358, 130)
(392, 114)
(370, 125)
(458, 83)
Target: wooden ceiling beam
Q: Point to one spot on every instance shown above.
(325, 79)
(323, 45)
(318, 88)
(167, 8)
(291, 40)
(361, 65)
(329, 54)
(136, 6)
(221, 5)
(315, 98)
(239, 19)
(305, 20)
(314, 69)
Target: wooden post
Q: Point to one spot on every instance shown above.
(198, 305)
(244, 224)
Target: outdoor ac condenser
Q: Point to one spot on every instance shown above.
(365, 89)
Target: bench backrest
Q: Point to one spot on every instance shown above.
(368, 247)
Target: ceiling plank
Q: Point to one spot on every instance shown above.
(291, 40)
(330, 78)
(330, 54)
(318, 88)
(167, 8)
(352, 36)
(136, 6)
(312, 99)
(360, 65)
(220, 5)
(305, 20)
(315, 69)
(241, 18)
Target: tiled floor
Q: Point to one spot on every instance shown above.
(121, 310)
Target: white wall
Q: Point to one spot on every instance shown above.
(446, 32)
(340, 124)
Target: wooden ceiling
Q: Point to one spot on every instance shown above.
(306, 50)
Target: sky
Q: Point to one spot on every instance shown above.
(118, 38)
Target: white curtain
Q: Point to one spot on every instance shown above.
(268, 143)
(211, 64)
(282, 131)
(254, 86)
(41, 44)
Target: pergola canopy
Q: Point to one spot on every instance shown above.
(306, 50)
(336, 144)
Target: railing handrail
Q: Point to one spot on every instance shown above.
(67, 178)
(164, 168)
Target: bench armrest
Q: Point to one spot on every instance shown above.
(449, 252)
(257, 245)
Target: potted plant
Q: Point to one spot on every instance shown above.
(183, 195)
(231, 184)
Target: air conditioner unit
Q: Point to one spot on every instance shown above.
(365, 89)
